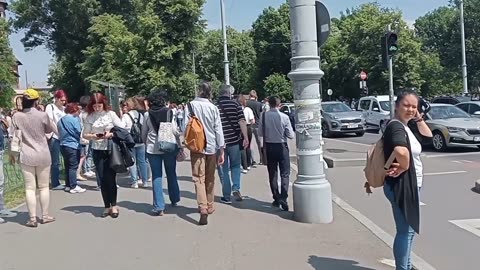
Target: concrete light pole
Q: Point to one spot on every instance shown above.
(312, 194)
(225, 46)
(464, 56)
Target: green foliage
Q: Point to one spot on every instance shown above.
(271, 40)
(279, 85)
(7, 63)
(142, 44)
(209, 58)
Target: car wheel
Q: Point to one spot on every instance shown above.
(438, 141)
(360, 134)
(325, 130)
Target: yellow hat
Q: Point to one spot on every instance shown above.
(31, 94)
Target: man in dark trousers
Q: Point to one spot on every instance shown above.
(277, 129)
(256, 107)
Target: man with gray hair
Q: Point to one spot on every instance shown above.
(236, 138)
(204, 164)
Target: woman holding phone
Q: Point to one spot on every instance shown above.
(98, 123)
(403, 137)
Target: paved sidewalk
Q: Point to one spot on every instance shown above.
(246, 235)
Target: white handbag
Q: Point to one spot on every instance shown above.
(16, 142)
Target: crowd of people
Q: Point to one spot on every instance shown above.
(86, 134)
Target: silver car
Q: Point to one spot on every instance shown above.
(452, 127)
(338, 118)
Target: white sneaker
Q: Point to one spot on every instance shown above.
(139, 182)
(77, 189)
(67, 189)
(59, 187)
(249, 168)
(244, 171)
(89, 174)
(146, 185)
(134, 185)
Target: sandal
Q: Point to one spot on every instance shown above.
(115, 212)
(47, 219)
(32, 223)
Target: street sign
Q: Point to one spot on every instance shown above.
(329, 92)
(323, 23)
(363, 75)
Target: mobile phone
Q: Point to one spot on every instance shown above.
(389, 161)
(100, 135)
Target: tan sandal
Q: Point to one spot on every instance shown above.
(32, 222)
(47, 219)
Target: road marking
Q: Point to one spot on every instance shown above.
(443, 173)
(470, 225)
(466, 161)
(452, 155)
(418, 262)
(388, 262)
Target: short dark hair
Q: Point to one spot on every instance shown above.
(28, 103)
(403, 94)
(204, 90)
(84, 100)
(273, 101)
(157, 97)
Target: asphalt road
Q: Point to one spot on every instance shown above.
(450, 231)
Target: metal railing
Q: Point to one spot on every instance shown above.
(12, 172)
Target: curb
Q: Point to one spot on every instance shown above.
(347, 162)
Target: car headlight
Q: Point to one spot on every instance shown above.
(455, 129)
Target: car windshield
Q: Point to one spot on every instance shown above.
(385, 105)
(446, 112)
(335, 108)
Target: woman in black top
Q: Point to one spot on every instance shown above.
(403, 137)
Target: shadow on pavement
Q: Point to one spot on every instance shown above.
(145, 208)
(81, 209)
(322, 263)
(248, 203)
(21, 218)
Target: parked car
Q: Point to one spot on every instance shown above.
(453, 100)
(452, 127)
(289, 109)
(376, 111)
(338, 118)
(470, 107)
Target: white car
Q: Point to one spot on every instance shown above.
(376, 111)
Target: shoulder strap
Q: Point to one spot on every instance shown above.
(190, 109)
(133, 120)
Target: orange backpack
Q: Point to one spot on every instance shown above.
(195, 139)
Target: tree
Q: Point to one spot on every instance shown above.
(209, 58)
(354, 46)
(164, 34)
(271, 40)
(279, 85)
(7, 62)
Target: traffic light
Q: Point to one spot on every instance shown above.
(389, 47)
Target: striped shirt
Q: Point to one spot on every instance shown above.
(231, 113)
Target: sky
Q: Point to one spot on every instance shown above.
(240, 14)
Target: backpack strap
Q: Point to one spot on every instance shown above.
(190, 110)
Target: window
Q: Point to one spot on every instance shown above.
(463, 107)
(365, 104)
(473, 108)
(375, 106)
(284, 109)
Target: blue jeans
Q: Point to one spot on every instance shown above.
(71, 157)
(402, 245)
(231, 165)
(139, 165)
(54, 146)
(170, 162)
(88, 163)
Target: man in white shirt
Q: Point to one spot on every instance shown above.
(55, 112)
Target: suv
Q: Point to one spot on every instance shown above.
(453, 100)
(376, 111)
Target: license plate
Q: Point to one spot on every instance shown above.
(476, 139)
(355, 126)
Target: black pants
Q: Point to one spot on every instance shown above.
(71, 157)
(107, 177)
(246, 153)
(278, 157)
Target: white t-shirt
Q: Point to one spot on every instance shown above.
(55, 114)
(416, 148)
(249, 116)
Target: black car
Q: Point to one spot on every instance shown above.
(453, 100)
